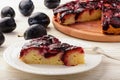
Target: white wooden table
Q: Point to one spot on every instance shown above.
(107, 70)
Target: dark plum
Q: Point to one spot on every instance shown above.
(115, 22)
(51, 4)
(2, 38)
(7, 24)
(35, 31)
(39, 18)
(26, 7)
(7, 12)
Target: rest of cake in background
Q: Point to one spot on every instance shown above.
(79, 11)
(50, 50)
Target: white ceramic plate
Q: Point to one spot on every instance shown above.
(11, 56)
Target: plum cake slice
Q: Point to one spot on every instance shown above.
(49, 50)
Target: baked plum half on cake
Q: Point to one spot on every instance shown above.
(50, 50)
(87, 10)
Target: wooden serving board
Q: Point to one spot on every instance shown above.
(89, 31)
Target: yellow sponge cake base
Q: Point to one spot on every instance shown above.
(34, 57)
